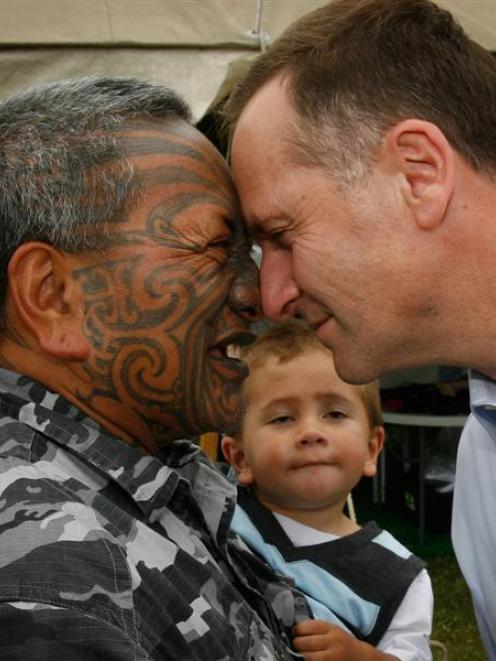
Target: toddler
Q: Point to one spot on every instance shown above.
(306, 439)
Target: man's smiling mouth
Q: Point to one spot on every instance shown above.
(230, 346)
(226, 352)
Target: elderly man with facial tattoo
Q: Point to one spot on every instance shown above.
(126, 276)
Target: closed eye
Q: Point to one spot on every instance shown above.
(276, 238)
(220, 248)
(221, 242)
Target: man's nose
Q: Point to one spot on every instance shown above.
(244, 295)
(278, 289)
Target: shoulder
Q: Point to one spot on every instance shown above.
(386, 540)
(59, 545)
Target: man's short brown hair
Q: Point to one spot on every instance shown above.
(355, 68)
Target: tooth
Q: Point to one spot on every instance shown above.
(233, 351)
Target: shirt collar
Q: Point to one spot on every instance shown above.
(149, 480)
(482, 396)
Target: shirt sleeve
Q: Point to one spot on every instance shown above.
(408, 635)
(40, 632)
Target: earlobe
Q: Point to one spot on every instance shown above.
(44, 297)
(425, 162)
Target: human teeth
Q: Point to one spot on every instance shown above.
(233, 351)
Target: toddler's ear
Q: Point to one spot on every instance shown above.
(376, 443)
(235, 456)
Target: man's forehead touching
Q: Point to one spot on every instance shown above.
(174, 154)
(263, 198)
(212, 155)
(173, 137)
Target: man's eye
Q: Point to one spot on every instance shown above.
(219, 249)
(221, 242)
(279, 237)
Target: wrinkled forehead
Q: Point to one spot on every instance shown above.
(188, 157)
(175, 166)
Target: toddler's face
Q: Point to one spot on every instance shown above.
(306, 435)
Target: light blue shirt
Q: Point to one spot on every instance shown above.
(474, 506)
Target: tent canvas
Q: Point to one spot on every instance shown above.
(187, 44)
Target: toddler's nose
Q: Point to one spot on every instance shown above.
(312, 437)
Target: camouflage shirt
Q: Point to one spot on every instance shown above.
(107, 553)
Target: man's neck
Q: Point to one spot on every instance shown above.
(70, 380)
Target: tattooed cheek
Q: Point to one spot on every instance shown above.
(93, 283)
(93, 333)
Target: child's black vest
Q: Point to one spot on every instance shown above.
(367, 573)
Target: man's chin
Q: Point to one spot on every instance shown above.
(225, 418)
(228, 369)
(354, 371)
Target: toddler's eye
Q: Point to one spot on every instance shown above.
(335, 414)
(281, 420)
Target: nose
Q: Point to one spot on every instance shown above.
(311, 437)
(280, 293)
(244, 296)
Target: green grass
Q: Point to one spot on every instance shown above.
(454, 622)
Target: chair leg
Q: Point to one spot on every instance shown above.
(436, 645)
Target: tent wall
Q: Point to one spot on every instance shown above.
(195, 73)
(187, 44)
(197, 23)
(205, 23)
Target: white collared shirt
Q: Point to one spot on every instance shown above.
(474, 506)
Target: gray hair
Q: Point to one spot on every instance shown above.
(64, 175)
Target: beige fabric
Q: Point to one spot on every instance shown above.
(196, 74)
(187, 44)
(147, 22)
(182, 22)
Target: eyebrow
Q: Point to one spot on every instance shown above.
(256, 225)
(321, 397)
(279, 401)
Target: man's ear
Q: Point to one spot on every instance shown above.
(425, 162)
(46, 299)
(376, 444)
(234, 454)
